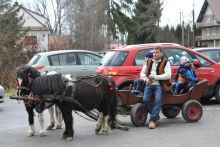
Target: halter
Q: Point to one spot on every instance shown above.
(27, 87)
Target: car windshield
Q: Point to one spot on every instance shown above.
(34, 60)
(114, 58)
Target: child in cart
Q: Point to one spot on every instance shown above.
(185, 77)
(137, 85)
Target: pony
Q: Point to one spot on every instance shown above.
(29, 106)
(24, 90)
(71, 93)
(53, 109)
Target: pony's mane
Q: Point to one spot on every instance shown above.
(48, 84)
(27, 69)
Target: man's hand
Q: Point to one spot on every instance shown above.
(148, 81)
(151, 77)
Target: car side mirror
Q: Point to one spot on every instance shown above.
(196, 62)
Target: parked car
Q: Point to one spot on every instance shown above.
(125, 63)
(2, 94)
(75, 62)
(211, 52)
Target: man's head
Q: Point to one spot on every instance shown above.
(157, 53)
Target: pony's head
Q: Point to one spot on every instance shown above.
(24, 77)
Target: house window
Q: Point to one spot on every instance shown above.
(207, 31)
(211, 31)
(30, 40)
(44, 35)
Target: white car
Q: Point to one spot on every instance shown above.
(75, 62)
(2, 93)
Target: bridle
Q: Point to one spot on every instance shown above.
(27, 87)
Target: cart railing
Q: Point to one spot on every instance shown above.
(126, 97)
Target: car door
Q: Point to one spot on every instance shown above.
(173, 55)
(88, 63)
(65, 63)
(205, 69)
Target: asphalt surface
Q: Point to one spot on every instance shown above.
(171, 132)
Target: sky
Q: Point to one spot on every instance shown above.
(172, 8)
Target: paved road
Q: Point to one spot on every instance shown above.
(171, 132)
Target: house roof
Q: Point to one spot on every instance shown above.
(37, 17)
(214, 6)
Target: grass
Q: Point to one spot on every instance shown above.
(10, 92)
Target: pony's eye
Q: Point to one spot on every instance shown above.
(17, 83)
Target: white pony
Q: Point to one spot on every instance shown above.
(51, 111)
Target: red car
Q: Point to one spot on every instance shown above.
(124, 64)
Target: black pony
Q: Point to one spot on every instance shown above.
(83, 94)
(23, 84)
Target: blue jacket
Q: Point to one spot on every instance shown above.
(188, 74)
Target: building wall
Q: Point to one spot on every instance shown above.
(29, 21)
(37, 27)
(42, 39)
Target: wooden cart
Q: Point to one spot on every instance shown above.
(171, 104)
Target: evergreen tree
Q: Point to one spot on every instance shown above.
(10, 42)
(178, 33)
(118, 11)
(143, 26)
(10, 25)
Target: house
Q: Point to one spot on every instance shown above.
(37, 30)
(209, 23)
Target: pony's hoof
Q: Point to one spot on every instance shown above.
(97, 131)
(64, 137)
(59, 127)
(50, 127)
(69, 138)
(30, 133)
(102, 132)
(42, 134)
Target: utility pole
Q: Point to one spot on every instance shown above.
(193, 39)
(182, 29)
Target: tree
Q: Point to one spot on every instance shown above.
(144, 21)
(56, 12)
(11, 46)
(118, 15)
(87, 24)
(10, 26)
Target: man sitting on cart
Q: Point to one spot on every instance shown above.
(157, 74)
(185, 77)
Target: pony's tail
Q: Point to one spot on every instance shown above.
(113, 107)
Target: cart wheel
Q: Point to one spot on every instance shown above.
(138, 115)
(217, 93)
(170, 112)
(192, 111)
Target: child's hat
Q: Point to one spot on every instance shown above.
(184, 60)
(149, 54)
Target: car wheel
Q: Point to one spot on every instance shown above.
(192, 111)
(138, 115)
(217, 93)
(170, 112)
